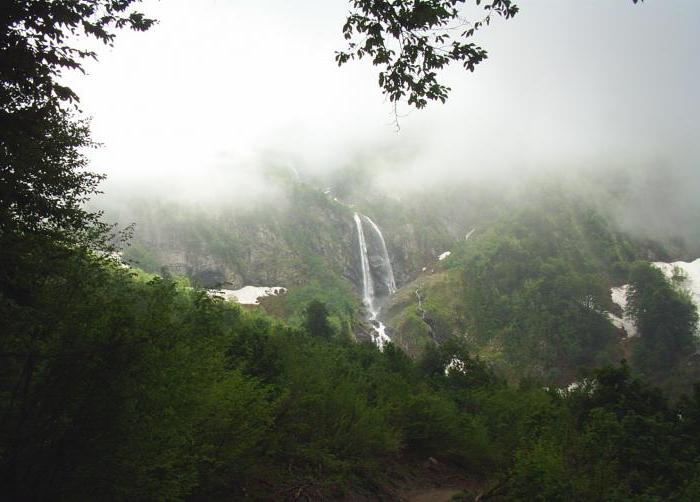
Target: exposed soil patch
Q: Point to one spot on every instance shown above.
(432, 495)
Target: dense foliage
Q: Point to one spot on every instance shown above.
(537, 285)
(530, 291)
(666, 318)
(122, 385)
(117, 384)
(531, 295)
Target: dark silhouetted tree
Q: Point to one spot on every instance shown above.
(413, 40)
(666, 318)
(316, 320)
(43, 181)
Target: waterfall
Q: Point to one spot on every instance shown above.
(367, 282)
(420, 309)
(384, 271)
(389, 271)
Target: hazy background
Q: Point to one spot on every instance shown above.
(194, 107)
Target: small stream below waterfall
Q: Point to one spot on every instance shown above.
(378, 281)
(419, 308)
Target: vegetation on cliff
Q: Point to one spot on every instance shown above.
(530, 293)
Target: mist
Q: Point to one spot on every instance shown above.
(198, 108)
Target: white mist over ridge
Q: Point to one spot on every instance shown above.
(207, 88)
(196, 109)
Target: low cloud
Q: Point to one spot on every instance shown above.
(199, 107)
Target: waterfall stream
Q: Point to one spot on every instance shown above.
(384, 273)
(367, 282)
(389, 271)
(420, 309)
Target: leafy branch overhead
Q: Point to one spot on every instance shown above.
(39, 38)
(411, 40)
(44, 181)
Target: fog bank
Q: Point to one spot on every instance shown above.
(218, 91)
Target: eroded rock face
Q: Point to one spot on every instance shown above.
(276, 245)
(209, 277)
(284, 243)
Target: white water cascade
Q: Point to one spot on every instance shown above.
(369, 294)
(388, 270)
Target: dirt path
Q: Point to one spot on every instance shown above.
(432, 494)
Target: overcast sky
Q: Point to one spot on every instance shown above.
(220, 82)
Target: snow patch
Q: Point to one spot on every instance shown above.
(587, 386)
(624, 323)
(691, 273)
(619, 297)
(456, 365)
(247, 295)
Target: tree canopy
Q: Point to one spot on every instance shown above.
(43, 176)
(117, 385)
(411, 40)
(666, 318)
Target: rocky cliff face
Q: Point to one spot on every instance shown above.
(284, 244)
(288, 242)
